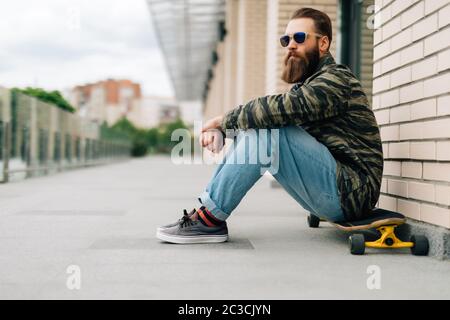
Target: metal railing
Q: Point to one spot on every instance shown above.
(38, 138)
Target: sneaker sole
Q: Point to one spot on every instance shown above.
(190, 239)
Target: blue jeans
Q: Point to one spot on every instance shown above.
(303, 166)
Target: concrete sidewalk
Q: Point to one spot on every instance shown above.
(103, 220)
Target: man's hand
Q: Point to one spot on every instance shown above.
(212, 137)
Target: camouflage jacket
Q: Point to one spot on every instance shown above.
(332, 106)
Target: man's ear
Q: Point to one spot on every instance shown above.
(324, 44)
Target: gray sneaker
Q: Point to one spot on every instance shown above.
(189, 230)
(170, 225)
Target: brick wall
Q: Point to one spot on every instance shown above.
(367, 47)
(251, 75)
(411, 102)
(230, 55)
(240, 74)
(215, 100)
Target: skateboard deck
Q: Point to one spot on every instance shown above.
(378, 218)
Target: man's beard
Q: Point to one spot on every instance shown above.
(298, 69)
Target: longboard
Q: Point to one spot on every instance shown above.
(385, 222)
(378, 218)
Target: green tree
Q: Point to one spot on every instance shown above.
(137, 136)
(154, 140)
(165, 144)
(53, 97)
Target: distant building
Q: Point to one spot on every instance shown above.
(149, 112)
(107, 100)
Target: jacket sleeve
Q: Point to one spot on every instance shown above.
(323, 97)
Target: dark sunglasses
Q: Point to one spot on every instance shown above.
(299, 37)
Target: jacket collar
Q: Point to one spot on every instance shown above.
(325, 61)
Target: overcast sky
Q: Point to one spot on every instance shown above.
(56, 44)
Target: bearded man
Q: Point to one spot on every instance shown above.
(328, 145)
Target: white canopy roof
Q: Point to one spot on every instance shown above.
(188, 32)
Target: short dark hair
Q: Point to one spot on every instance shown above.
(321, 20)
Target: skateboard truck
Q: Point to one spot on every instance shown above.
(388, 240)
(384, 222)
